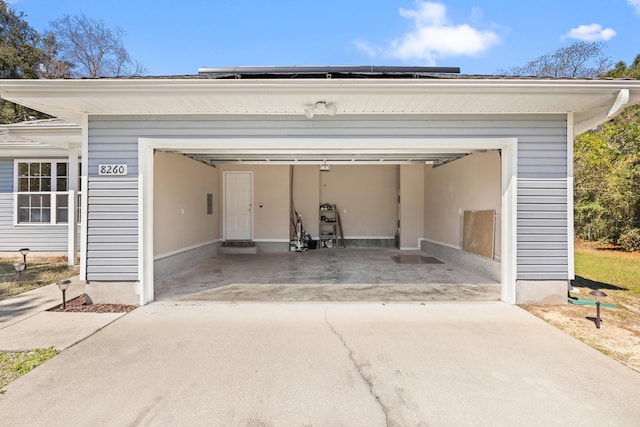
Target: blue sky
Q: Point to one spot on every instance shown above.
(479, 36)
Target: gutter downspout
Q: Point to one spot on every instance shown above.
(618, 106)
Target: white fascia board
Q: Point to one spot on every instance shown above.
(65, 86)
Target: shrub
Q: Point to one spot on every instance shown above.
(630, 240)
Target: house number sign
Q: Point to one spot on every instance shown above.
(112, 170)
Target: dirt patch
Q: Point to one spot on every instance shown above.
(82, 304)
(604, 267)
(618, 336)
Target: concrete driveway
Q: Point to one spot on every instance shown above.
(326, 364)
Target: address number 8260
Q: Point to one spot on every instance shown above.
(112, 169)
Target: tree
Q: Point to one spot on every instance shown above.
(607, 175)
(21, 57)
(580, 59)
(622, 71)
(91, 48)
(51, 67)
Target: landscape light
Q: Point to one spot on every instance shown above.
(63, 285)
(597, 296)
(24, 252)
(20, 267)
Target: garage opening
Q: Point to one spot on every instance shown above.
(389, 207)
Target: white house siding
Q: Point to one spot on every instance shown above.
(112, 208)
(542, 205)
(37, 237)
(542, 173)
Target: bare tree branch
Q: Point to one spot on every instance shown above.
(578, 60)
(93, 49)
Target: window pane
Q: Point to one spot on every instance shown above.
(23, 169)
(46, 215)
(23, 215)
(62, 215)
(45, 169)
(36, 201)
(23, 200)
(79, 177)
(34, 169)
(35, 215)
(61, 169)
(62, 211)
(23, 184)
(61, 184)
(45, 184)
(62, 200)
(46, 200)
(34, 184)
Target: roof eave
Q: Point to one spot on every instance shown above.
(72, 99)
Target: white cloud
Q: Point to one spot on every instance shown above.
(434, 36)
(635, 4)
(367, 48)
(590, 33)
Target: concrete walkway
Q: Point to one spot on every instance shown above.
(25, 323)
(326, 364)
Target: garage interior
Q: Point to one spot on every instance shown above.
(389, 201)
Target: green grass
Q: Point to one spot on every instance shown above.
(13, 365)
(614, 268)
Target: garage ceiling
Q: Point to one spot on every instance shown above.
(320, 157)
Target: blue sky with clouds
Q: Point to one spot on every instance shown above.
(480, 36)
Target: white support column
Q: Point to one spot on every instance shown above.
(509, 221)
(84, 198)
(72, 179)
(145, 221)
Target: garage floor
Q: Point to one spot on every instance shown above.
(327, 275)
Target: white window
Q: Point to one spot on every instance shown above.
(42, 192)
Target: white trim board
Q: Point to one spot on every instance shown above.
(185, 249)
(436, 242)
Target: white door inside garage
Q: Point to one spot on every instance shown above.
(238, 205)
